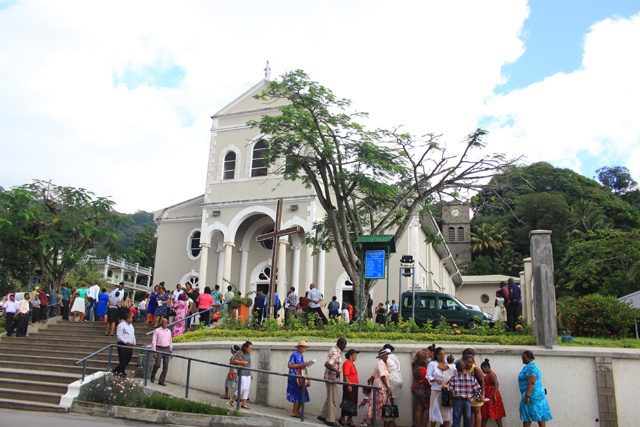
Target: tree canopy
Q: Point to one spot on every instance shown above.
(367, 181)
(53, 227)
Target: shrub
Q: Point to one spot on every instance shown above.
(176, 404)
(114, 390)
(600, 317)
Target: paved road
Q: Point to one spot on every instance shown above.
(11, 418)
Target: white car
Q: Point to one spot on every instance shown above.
(477, 308)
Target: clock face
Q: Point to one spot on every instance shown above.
(455, 212)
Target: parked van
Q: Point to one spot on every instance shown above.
(431, 305)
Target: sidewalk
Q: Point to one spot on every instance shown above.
(256, 411)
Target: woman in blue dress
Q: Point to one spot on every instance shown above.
(294, 391)
(162, 310)
(103, 303)
(152, 305)
(533, 406)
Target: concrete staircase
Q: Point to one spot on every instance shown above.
(35, 371)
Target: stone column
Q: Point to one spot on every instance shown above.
(321, 272)
(228, 254)
(281, 284)
(526, 286)
(308, 273)
(606, 392)
(204, 258)
(295, 268)
(544, 296)
(244, 259)
(219, 269)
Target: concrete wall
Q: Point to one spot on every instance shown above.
(585, 386)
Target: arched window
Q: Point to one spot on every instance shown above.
(194, 244)
(194, 281)
(229, 165)
(452, 234)
(460, 234)
(258, 167)
(267, 244)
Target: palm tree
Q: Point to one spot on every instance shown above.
(585, 217)
(509, 260)
(488, 239)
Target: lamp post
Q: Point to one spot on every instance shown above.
(407, 269)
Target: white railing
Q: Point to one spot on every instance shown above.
(123, 264)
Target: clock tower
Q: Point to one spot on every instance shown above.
(456, 229)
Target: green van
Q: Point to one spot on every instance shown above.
(431, 305)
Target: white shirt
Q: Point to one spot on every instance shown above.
(314, 294)
(94, 292)
(11, 306)
(177, 294)
(113, 292)
(126, 333)
(143, 305)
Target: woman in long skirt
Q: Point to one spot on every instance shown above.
(294, 389)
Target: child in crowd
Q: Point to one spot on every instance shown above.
(464, 387)
(493, 408)
(364, 407)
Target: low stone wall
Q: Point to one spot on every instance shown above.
(586, 387)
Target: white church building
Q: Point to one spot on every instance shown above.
(211, 239)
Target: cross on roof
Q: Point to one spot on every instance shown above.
(277, 232)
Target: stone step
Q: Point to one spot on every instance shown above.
(30, 406)
(38, 376)
(59, 351)
(37, 340)
(31, 396)
(31, 366)
(31, 385)
(93, 326)
(49, 359)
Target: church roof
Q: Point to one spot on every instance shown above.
(232, 106)
(633, 298)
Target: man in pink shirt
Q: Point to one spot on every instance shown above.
(163, 342)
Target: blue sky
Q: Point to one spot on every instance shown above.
(120, 103)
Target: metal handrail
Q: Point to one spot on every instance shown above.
(211, 310)
(148, 352)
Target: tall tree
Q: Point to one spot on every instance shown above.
(617, 179)
(489, 239)
(54, 226)
(367, 181)
(585, 216)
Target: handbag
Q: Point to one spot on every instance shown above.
(232, 374)
(216, 315)
(390, 411)
(446, 398)
(300, 381)
(349, 408)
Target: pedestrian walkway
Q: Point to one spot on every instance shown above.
(260, 411)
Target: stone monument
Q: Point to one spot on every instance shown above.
(544, 293)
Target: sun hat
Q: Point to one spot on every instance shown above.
(302, 344)
(350, 352)
(383, 352)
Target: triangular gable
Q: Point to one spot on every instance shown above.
(246, 101)
(192, 205)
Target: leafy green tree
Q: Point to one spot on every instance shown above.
(489, 239)
(144, 243)
(483, 265)
(600, 262)
(54, 226)
(585, 216)
(367, 181)
(617, 179)
(509, 260)
(600, 317)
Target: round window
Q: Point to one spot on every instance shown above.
(484, 298)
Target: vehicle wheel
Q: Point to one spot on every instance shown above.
(473, 324)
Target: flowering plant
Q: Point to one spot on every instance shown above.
(114, 390)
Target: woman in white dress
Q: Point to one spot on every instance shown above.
(499, 312)
(395, 377)
(438, 374)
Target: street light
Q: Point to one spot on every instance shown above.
(407, 269)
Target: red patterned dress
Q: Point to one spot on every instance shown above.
(492, 410)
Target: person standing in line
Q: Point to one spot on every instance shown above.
(152, 305)
(113, 313)
(290, 305)
(10, 307)
(143, 308)
(243, 359)
(369, 307)
(345, 312)
(78, 303)
(126, 337)
(54, 303)
(395, 376)
(380, 378)
(514, 308)
(534, 405)
(36, 310)
(438, 374)
(120, 289)
(205, 301)
(499, 311)
(65, 294)
(228, 297)
(349, 392)
(182, 310)
(468, 359)
(258, 307)
(420, 388)
(465, 388)
(103, 304)
(44, 304)
(315, 298)
(493, 408)
(92, 302)
(162, 310)
(193, 294)
(161, 341)
(125, 306)
(333, 368)
(334, 308)
(303, 305)
(297, 365)
(381, 318)
(23, 314)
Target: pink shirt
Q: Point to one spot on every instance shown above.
(205, 301)
(162, 338)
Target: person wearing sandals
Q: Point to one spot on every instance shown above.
(350, 393)
(243, 359)
(294, 390)
(231, 383)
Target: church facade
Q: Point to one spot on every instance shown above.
(211, 239)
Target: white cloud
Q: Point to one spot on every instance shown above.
(589, 113)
